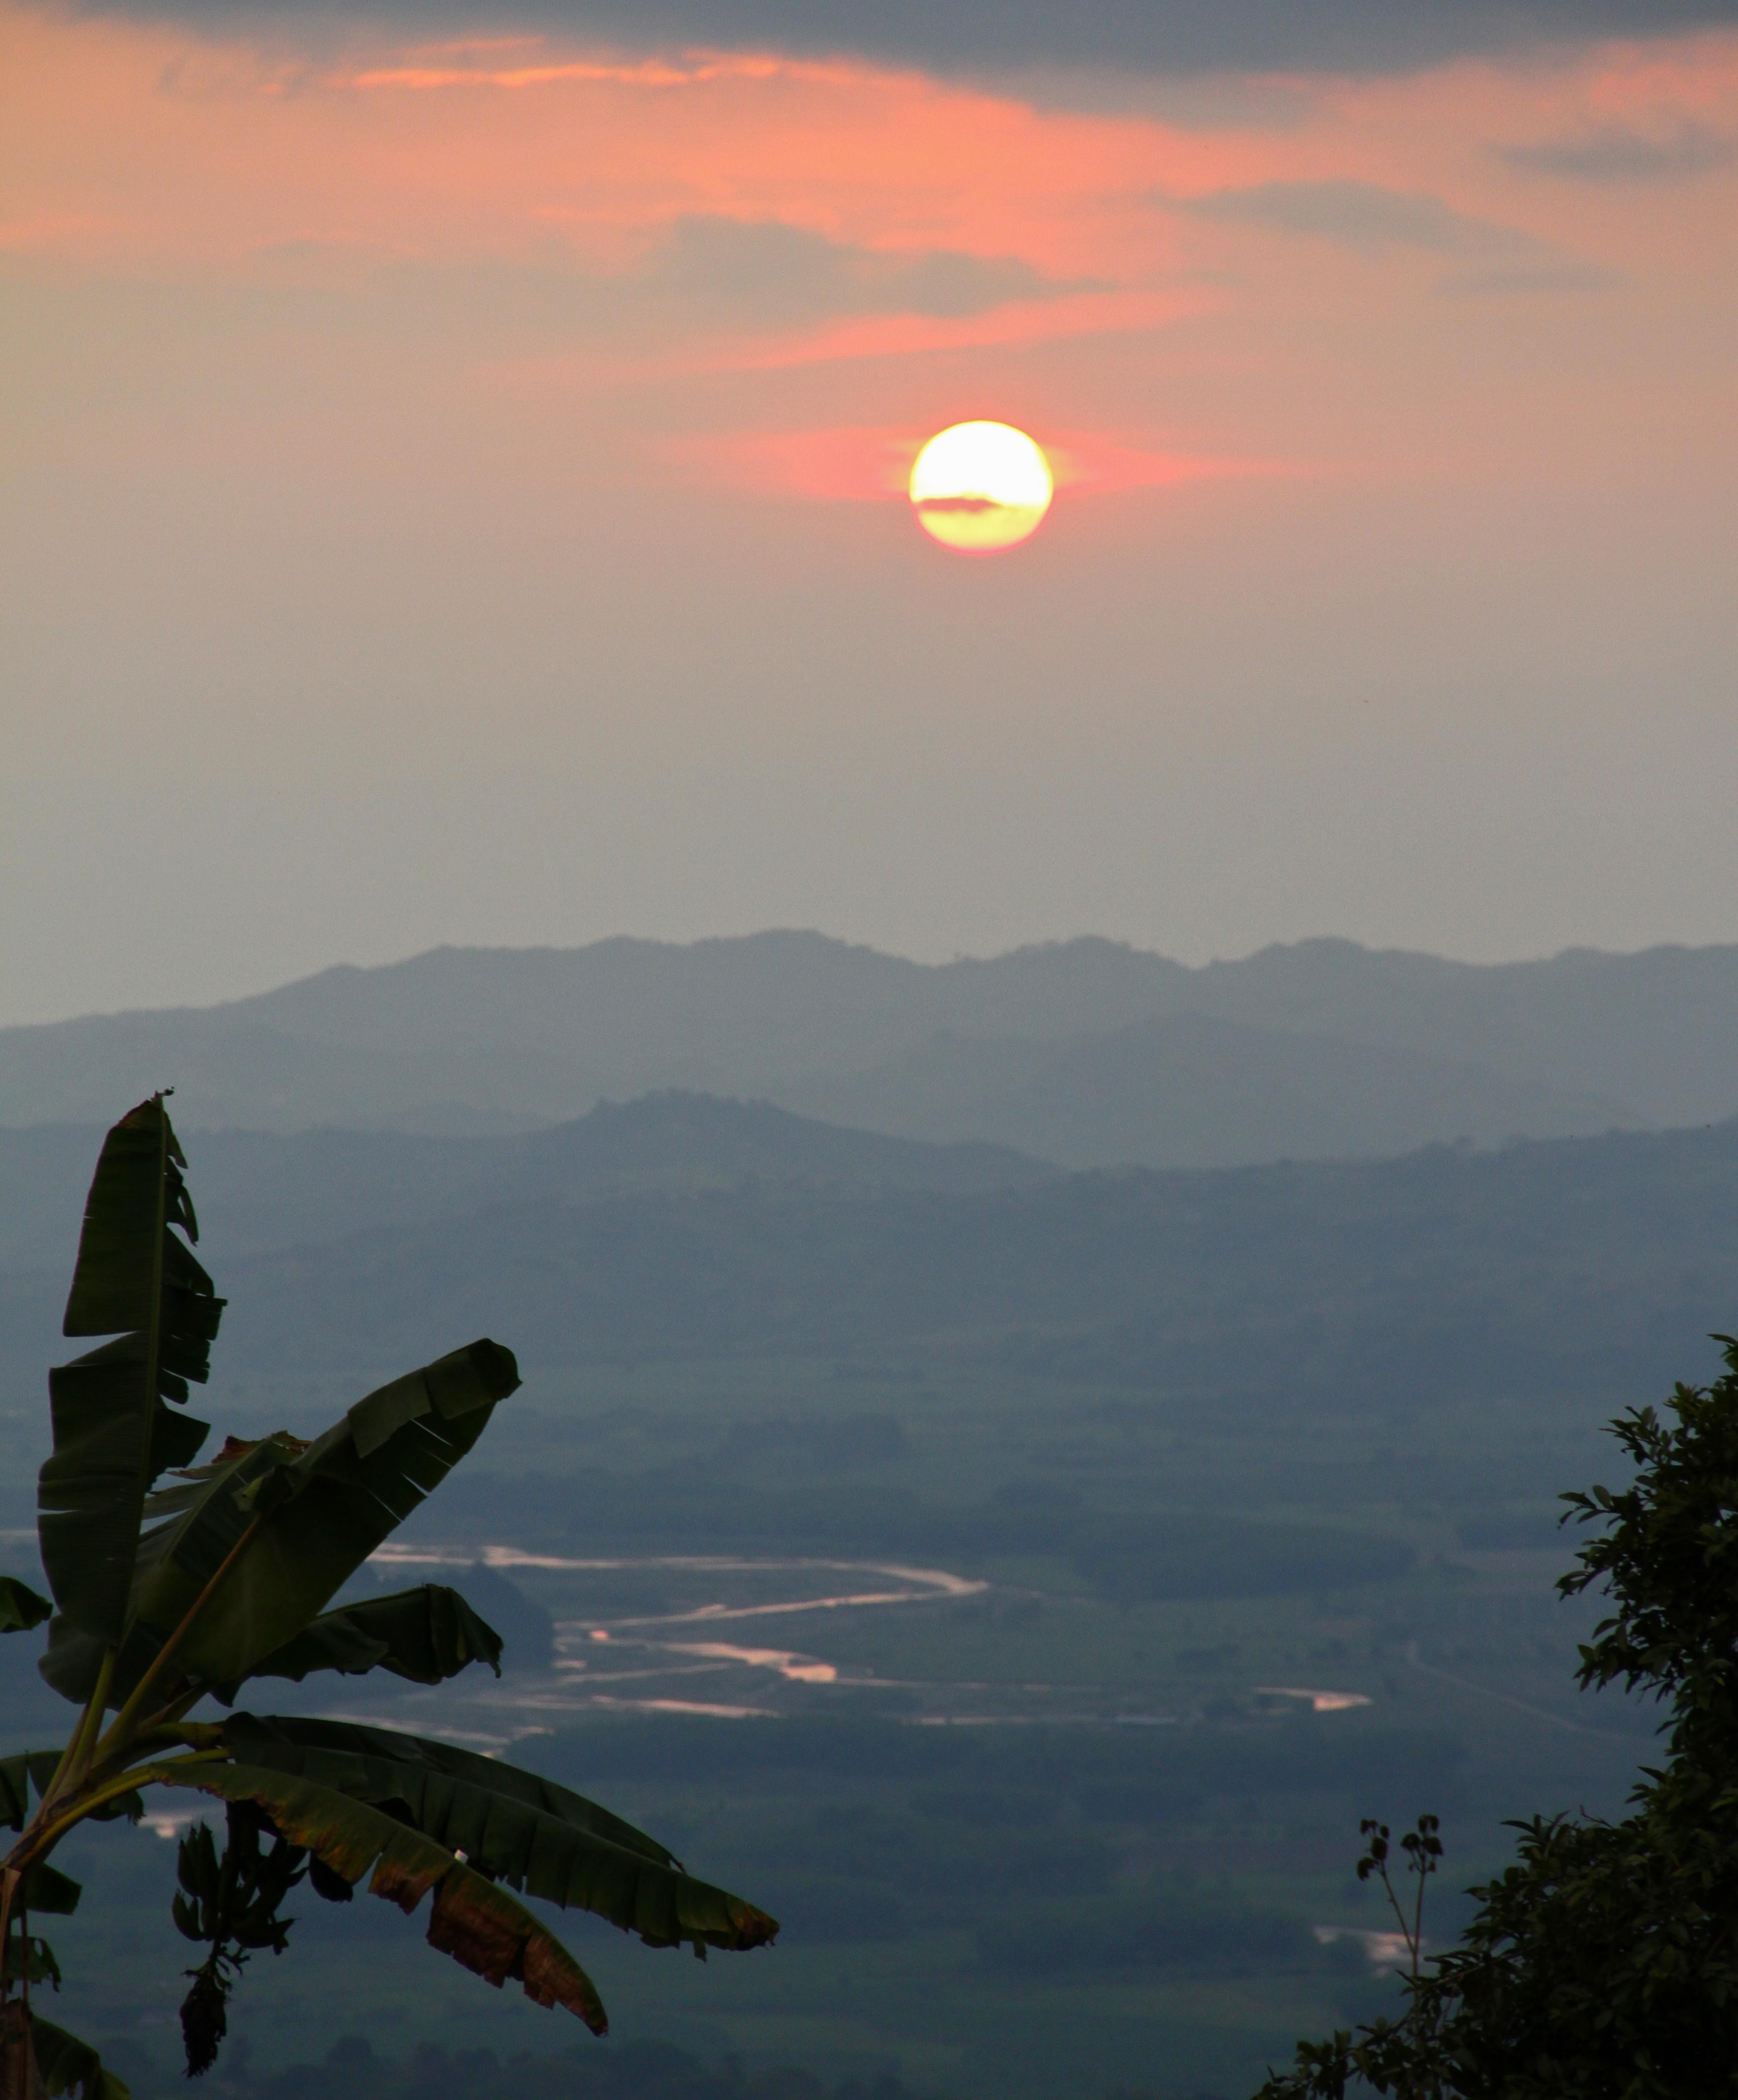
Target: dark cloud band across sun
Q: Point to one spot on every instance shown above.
(1156, 36)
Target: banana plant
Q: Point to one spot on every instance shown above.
(175, 1584)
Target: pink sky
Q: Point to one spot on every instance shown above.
(504, 425)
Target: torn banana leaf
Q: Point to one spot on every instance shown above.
(47, 1889)
(20, 1608)
(427, 1634)
(69, 2065)
(136, 1279)
(516, 1827)
(480, 1925)
(321, 1509)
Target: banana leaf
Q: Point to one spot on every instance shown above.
(20, 1608)
(516, 1827)
(136, 1279)
(281, 1739)
(480, 1925)
(427, 1634)
(27, 1957)
(69, 2065)
(322, 1509)
(71, 1659)
(47, 1889)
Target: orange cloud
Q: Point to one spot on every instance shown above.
(141, 147)
(905, 335)
(871, 464)
(191, 154)
(502, 222)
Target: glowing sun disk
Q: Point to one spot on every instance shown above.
(979, 488)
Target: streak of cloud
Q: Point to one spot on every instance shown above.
(1614, 153)
(1153, 36)
(1364, 216)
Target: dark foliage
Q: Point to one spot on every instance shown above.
(167, 1592)
(1603, 1964)
(231, 1901)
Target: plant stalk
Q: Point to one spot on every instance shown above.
(76, 1762)
(10, 1879)
(116, 1740)
(42, 1841)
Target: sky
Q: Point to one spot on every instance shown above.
(454, 460)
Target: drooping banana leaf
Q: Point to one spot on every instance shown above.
(20, 1608)
(47, 1889)
(280, 1740)
(69, 2065)
(321, 1509)
(134, 1278)
(427, 1634)
(516, 1827)
(480, 1925)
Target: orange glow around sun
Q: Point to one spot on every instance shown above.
(978, 487)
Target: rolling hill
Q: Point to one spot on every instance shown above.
(259, 1190)
(1086, 1050)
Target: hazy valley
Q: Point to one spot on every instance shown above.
(1018, 1577)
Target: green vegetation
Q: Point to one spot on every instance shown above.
(1332, 1406)
(168, 1595)
(1603, 1964)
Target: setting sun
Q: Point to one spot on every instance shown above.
(979, 488)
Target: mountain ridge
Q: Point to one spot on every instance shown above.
(261, 1191)
(500, 1039)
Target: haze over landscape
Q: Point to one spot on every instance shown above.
(1125, 1339)
(1075, 1145)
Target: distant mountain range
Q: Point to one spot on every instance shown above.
(1084, 1053)
(1189, 1090)
(1569, 1267)
(1540, 1285)
(257, 1191)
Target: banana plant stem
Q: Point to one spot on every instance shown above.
(44, 1840)
(84, 1742)
(84, 1735)
(119, 1733)
(12, 1879)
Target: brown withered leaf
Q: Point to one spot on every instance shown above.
(495, 1937)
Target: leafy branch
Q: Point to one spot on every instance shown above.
(175, 1582)
(1602, 1964)
(1423, 1849)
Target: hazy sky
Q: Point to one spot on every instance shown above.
(453, 472)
